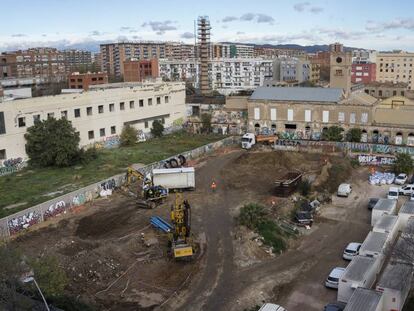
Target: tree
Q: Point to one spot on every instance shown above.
(403, 163)
(129, 136)
(157, 128)
(334, 133)
(206, 123)
(51, 277)
(354, 135)
(52, 142)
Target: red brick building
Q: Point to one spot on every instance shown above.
(363, 72)
(138, 70)
(84, 80)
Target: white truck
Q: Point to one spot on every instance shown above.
(248, 140)
(174, 178)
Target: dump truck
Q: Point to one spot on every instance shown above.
(249, 140)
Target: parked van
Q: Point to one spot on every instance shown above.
(271, 307)
(344, 190)
(393, 193)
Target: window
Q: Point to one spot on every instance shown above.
(325, 116)
(338, 72)
(22, 121)
(158, 100)
(146, 124)
(131, 104)
(364, 117)
(121, 106)
(111, 107)
(308, 116)
(3, 154)
(141, 103)
(50, 115)
(257, 113)
(149, 101)
(91, 135)
(380, 93)
(2, 124)
(352, 118)
(341, 117)
(101, 109)
(166, 99)
(113, 130)
(36, 118)
(273, 114)
(290, 115)
(394, 93)
(77, 113)
(89, 111)
(102, 132)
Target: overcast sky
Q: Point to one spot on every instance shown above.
(371, 24)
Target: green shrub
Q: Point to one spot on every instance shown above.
(129, 136)
(304, 187)
(251, 215)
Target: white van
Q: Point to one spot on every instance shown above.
(344, 190)
(393, 193)
(271, 307)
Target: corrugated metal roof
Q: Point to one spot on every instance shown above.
(302, 94)
(385, 205)
(396, 276)
(403, 251)
(374, 242)
(386, 222)
(358, 267)
(409, 228)
(407, 208)
(363, 300)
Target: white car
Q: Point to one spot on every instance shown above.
(333, 278)
(406, 190)
(344, 190)
(393, 193)
(271, 307)
(412, 197)
(351, 250)
(401, 179)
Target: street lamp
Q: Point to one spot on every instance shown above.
(32, 279)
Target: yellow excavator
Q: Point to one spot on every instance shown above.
(182, 246)
(150, 195)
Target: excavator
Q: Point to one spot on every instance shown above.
(150, 195)
(181, 243)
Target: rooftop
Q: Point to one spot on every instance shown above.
(374, 242)
(386, 222)
(408, 231)
(363, 300)
(407, 208)
(387, 84)
(357, 268)
(396, 276)
(385, 205)
(301, 94)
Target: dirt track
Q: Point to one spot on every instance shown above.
(102, 244)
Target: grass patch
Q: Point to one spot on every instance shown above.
(32, 185)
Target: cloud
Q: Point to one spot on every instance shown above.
(306, 6)
(247, 17)
(227, 19)
(135, 37)
(263, 18)
(240, 33)
(125, 28)
(18, 35)
(122, 38)
(187, 35)
(160, 27)
(407, 23)
(95, 33)
(341, 34)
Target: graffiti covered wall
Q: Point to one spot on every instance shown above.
(11, 165)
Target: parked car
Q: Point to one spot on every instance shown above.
(412, 197)
(344, 190)
(333, 279)
(304, 218)
(406, 190)
(372, 202)
(271, 307)
(393, 193)
(335, 306)
(411, 180)
(351, 250)
(401, 179)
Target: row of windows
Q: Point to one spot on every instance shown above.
(308, 116)
(102, 132)
(89, 110)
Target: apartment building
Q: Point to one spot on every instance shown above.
(383, 90)
(83, 81)
(97, 114)
(228, 50)
(42, 62)
(364, 55)
(363, 72)
(179, 51)
(139, 70)
(179, 70)
(288, 69)
(395, 67)
(271, 52)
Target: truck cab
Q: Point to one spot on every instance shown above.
(248, 140)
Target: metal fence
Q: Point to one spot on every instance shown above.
(68, 202)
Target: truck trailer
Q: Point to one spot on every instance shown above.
(383, 206)
(387, 224)
(364, 299)
(174, 178)
(406, 211)
(374, 246)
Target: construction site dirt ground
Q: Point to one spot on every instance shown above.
(116, 261)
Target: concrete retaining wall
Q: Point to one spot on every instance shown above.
(74, 200)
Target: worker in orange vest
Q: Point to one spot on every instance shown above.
(213, 186)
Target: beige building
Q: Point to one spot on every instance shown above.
(395, 67)
(98, 114)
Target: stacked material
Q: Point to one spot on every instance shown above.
(379, 178)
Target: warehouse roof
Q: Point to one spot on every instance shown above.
(302, 94)
(407, 208)
(385, 205)
(409, 228)
(386, 222)
(358, 267)
(363, 300)
(374, 242)
(396, 276)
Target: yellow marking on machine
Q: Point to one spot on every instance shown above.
(183, 251)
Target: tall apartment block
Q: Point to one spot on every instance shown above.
(204, 44)
(42, 62)
(139, 70)
(395, 67)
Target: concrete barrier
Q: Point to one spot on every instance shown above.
(24, 219)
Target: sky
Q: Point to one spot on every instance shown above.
(370, 24)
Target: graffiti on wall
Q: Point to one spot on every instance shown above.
(54, 210)
(109, 142)
(23, 221)
(367, 159)
(11, 165)
(107, 187)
